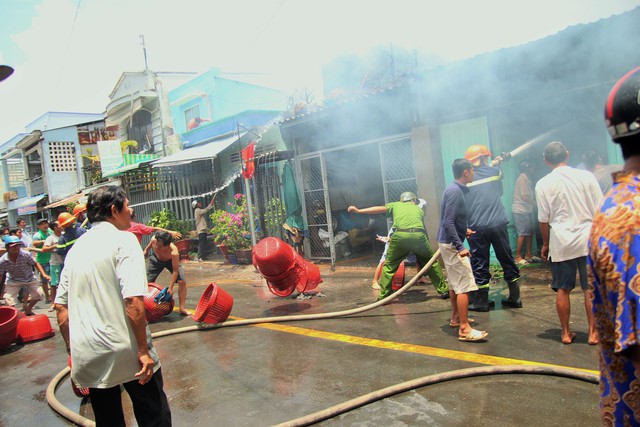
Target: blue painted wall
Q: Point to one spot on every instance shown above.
(218, 98)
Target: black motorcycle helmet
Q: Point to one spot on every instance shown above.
(622, 110)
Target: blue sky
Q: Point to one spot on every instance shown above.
(68, 64)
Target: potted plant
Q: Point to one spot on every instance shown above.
(231, 230)
(168, 220)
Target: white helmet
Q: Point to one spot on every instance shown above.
(194, 204)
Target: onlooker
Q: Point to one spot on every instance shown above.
(19, 266)
(614, 262)
(451, 234)
(409, 235)
(603, 173)
(55, 262)
(42, 257)
(201, 225)
(88, 302)
(25, 236)
(522, 208)
(140, 230)
(488, 218)
(567, 201)
(164, 254)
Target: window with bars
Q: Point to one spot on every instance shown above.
(62, 155)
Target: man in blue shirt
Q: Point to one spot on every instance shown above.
(451, 234)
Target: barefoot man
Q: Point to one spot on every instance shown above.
(164, 254)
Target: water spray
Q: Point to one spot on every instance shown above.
(523, 147)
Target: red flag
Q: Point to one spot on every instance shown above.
(247, 157)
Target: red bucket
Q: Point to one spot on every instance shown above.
(33, 328)
(214, 306)
(398, 279)
(313, 277)
(79, 392)
(154, 311)
(8, 326)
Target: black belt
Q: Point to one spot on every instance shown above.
(411, 230)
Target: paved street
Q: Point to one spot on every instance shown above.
(266, 374)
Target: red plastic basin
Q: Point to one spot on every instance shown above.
(155, 312)
(8, 326)
(214, 306)
(33, 328)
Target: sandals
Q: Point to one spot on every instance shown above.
(473, 335)
(457, 324)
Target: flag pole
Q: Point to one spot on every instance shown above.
(247, 188)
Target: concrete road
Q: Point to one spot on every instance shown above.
(266, 374)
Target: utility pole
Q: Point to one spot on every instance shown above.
(144, 51)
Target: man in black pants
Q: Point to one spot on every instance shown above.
(488, 219)
(201, 225)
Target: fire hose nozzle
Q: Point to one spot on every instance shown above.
(501, 158)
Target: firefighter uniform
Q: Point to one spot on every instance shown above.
(487, 217)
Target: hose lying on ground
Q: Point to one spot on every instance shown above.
(351, 404)
(73, 417)
(383, 393)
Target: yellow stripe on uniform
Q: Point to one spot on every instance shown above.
(409, 348)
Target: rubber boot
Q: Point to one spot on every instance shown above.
(481, 301)
(514, 296)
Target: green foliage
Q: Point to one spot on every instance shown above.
(232, 229)
(168, 220)
(275, 214)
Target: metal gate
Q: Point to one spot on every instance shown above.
(398, 170)
(316, 207)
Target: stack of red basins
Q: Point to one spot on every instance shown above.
(283, 268)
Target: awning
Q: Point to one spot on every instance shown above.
(25, 205)
(131, 162)
(65, 201)
(200, 152)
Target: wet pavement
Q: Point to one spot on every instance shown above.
(265, 374)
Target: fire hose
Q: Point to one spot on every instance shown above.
(351, 404)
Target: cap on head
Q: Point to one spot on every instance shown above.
(65, 219)
(475, 151)
(622, 109)
(408, 196)
(42, 221)
(12, 240)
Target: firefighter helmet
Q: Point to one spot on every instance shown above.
(476, 151)
(622, 110)
(79, 208)
(65, 219)
(408, 196)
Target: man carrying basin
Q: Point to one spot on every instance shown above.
(409, 236)
(164, 254)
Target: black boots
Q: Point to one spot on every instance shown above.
(514, 296)
(481, 302)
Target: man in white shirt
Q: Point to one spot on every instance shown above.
(26, 237)
(101, 313)
(567, 201)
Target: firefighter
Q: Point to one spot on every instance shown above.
(487, 217)
(409, 236)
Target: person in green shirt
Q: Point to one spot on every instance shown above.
(409, 236)
(43, 258)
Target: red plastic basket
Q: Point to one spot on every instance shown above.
(79, 392)
(33, 328)
(8, 326)
(313, 276)
(214, 306)
(155, 312)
